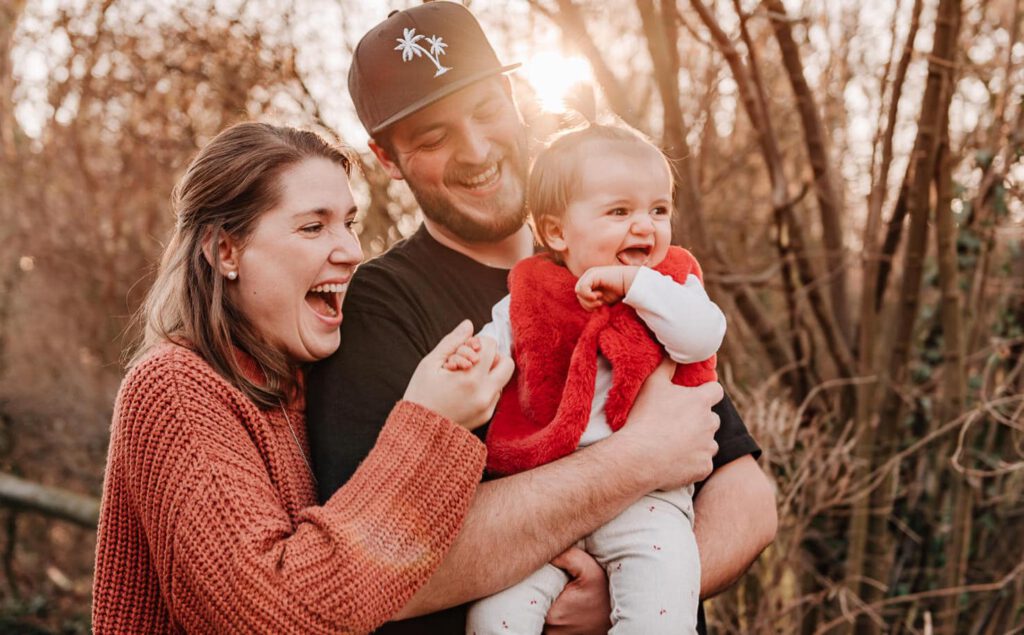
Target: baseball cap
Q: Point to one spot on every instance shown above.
(416, 57)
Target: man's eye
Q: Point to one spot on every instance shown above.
(488, 110)
(312, 229)
(430, 143)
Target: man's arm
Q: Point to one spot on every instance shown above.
(518, 523)
(736, 520)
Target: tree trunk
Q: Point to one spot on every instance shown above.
(821, 166)
(869, 559)
(954, 391)
(867, 345)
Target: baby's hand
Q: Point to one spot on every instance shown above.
(604, 285)
(465, 356)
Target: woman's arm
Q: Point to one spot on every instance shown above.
(518, 523)
(206, 478)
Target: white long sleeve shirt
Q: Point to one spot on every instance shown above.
(682, 317)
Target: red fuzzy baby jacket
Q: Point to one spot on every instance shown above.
(545, 408)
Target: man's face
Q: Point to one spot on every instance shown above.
(465, 160)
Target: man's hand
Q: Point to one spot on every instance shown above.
(674, 429)
(604, 285)
(583, 606)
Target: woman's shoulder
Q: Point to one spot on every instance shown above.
(174, 371)
(169, 360)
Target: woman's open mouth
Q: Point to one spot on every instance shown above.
(635, 256)
(325, 299)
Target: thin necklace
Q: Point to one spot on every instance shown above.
(298, 445)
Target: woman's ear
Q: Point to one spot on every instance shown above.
(227, 251)
(552, 233)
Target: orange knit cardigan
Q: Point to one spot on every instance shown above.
(209, 521)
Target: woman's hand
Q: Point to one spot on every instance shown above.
(467, 396)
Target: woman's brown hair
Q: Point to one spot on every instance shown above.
(229, 184)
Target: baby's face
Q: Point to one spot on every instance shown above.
(622, 214)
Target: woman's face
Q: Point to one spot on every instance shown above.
(295, 267)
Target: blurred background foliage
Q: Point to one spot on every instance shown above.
(849, 174)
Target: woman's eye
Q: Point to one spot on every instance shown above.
(351, 224)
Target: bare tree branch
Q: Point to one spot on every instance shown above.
(51, 501)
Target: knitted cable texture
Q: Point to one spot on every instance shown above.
(209, 522)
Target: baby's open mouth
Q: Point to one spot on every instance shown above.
(325, 299)
(635, 256)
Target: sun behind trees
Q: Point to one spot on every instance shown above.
(849, 177)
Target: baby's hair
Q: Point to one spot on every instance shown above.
(555, 178)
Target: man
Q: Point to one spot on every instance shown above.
(431, 92)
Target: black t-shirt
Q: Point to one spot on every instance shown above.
(397, 308)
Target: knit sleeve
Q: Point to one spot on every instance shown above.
(228, 555)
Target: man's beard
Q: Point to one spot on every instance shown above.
(505, 217)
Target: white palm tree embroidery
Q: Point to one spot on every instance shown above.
(410, 47)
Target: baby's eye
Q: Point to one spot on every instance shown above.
(660, 211)
(619, 211)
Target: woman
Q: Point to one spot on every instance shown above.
(209, 521)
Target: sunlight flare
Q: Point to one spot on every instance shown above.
(552, 75)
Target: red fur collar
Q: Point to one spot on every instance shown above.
(545, 408)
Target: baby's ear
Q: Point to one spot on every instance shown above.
(552, 233)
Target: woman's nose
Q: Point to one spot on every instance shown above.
(347, 250)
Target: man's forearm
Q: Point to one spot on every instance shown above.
(736, 519)
(517, 524)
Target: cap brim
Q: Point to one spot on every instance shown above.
(440, 94)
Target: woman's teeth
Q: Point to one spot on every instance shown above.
(326, 298)
(330, 288)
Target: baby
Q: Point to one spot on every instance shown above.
(586, 324)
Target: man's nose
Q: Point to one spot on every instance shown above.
(474, 145)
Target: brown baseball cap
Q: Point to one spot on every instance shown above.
(416, 57)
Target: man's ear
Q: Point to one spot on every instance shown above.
(552, 233)
(227, 250)
(388, 162)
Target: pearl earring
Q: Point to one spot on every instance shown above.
(232, 275)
